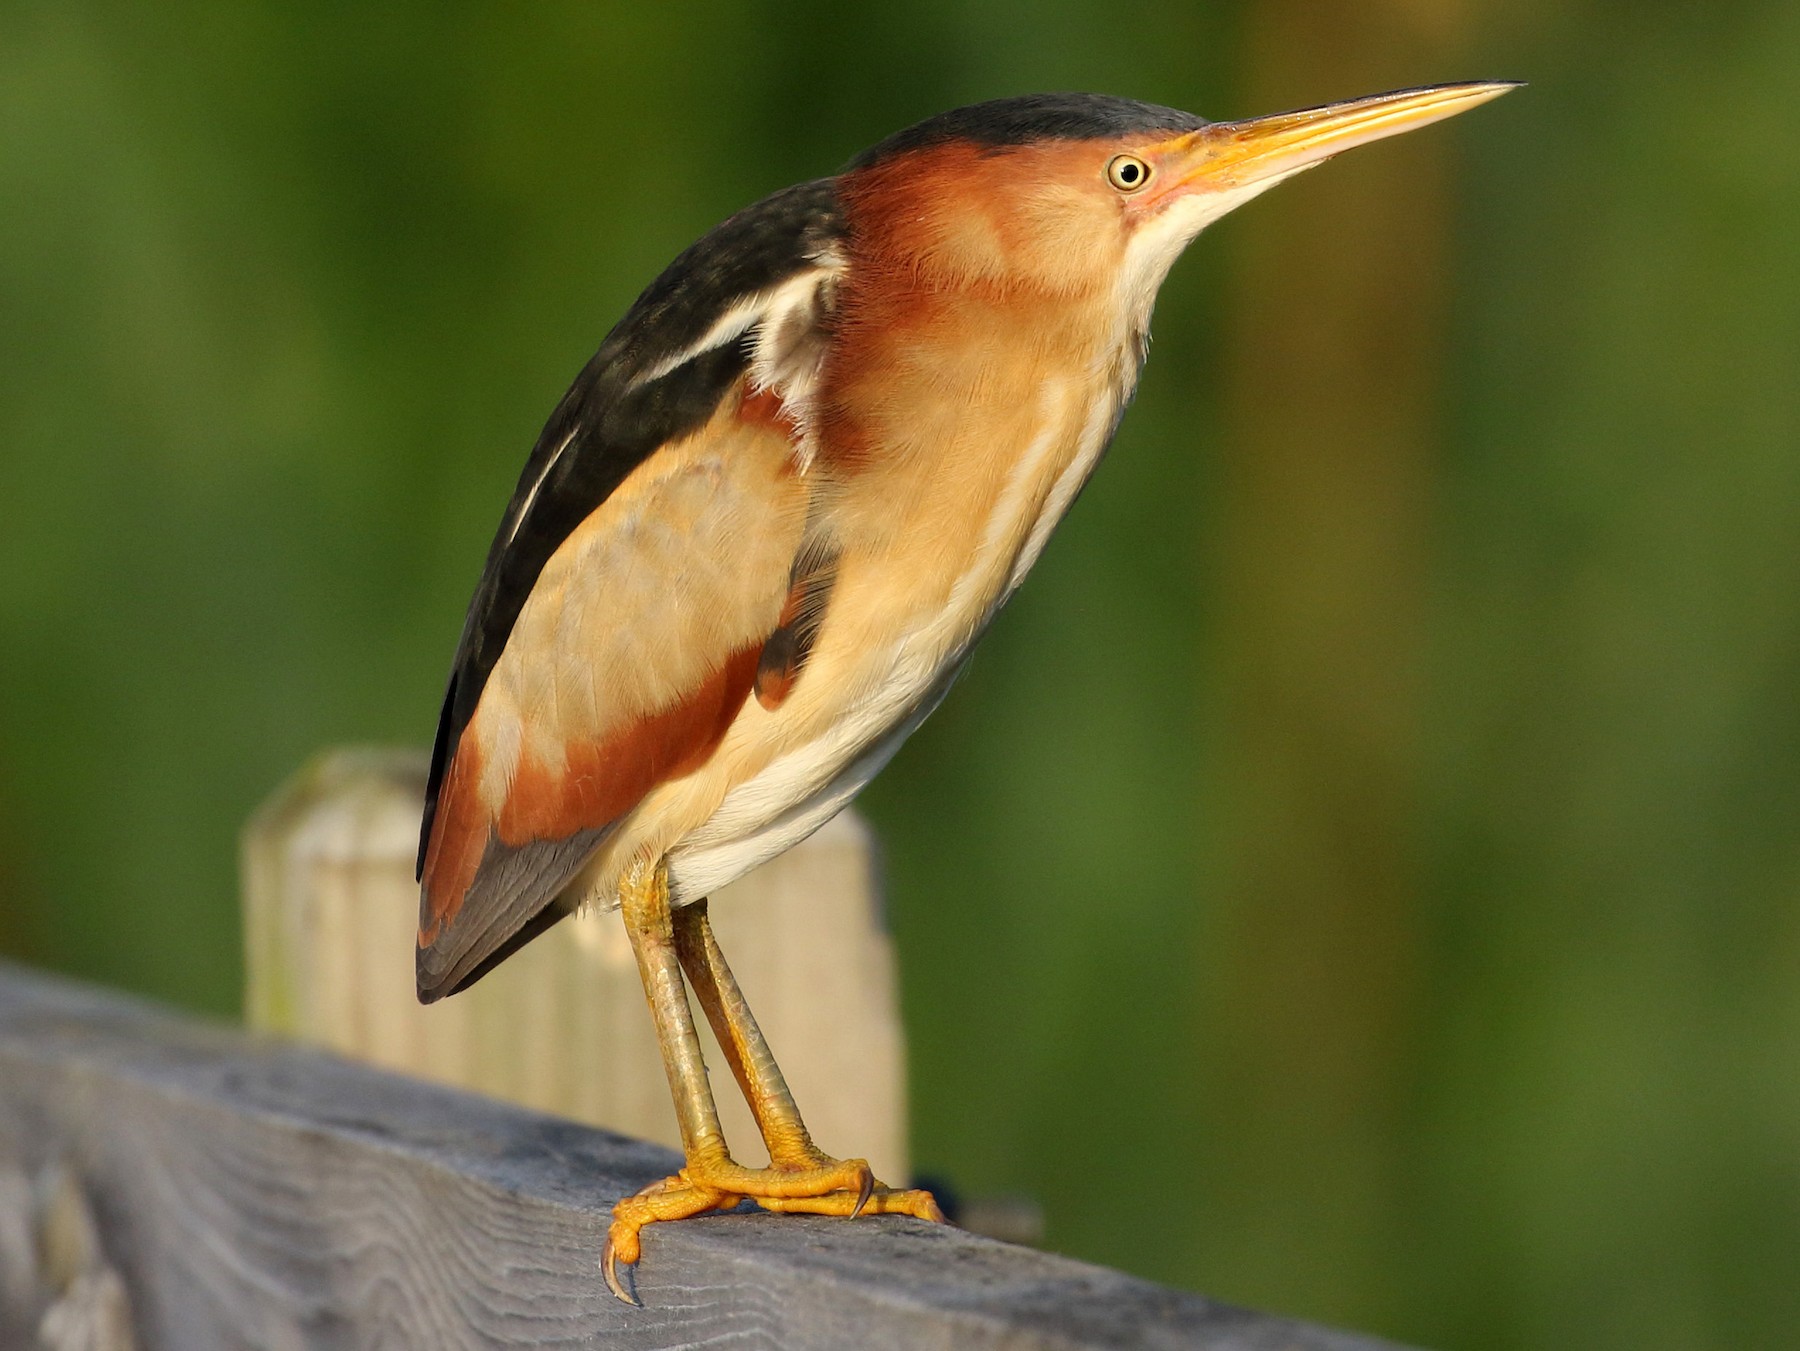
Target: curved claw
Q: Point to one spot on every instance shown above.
(865, 1192)
(609, 1267)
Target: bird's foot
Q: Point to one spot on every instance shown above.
(881, 1200)
(813, 1185)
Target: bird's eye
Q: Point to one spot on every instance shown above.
(1127, 173)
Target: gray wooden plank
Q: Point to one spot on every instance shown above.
(258, 1195)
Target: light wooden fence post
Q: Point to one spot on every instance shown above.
(329, 912)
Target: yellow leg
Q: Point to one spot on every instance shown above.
(710, 1179)
(790, 1144)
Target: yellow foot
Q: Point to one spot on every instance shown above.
(824, 1187)
(881, 1200)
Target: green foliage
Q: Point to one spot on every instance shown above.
(289, 289)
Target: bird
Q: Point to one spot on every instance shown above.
(760, 534)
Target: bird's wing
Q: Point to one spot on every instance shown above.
(641, 567)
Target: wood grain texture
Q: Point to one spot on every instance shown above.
(258, 1195)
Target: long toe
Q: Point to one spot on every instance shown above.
(879, 1200)
(670, 1198)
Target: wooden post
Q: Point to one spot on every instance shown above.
(330, 908)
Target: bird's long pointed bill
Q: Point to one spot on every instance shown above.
(1261, 149)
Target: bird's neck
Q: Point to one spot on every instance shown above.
(959, 423)
(925, 363)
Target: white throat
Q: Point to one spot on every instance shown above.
(1159, 241)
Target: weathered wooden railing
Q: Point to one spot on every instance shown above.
(168, 1185)
(203, 1189)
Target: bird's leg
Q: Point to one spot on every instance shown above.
(790, 1144)
(644, 907)
(709, 1179)
(792, 1152)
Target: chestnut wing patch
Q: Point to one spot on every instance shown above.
(636, 649)
(601, 654)
(750, 299)
(502, 878)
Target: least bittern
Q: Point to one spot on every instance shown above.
(759, 536)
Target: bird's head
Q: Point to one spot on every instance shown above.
(1076, 192)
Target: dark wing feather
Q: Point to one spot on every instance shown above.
(518, 888)
(612, 420)
(785, 655)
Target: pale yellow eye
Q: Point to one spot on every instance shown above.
(1127, 173)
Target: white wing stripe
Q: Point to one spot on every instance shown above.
(770, 308)
(789, 352)
(729, 325)
(789, 341)
(531, 496)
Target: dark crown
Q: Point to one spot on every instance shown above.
(1033, 117)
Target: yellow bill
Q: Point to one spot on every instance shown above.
(1230, 155)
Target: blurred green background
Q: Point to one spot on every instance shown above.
(1358, 876)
